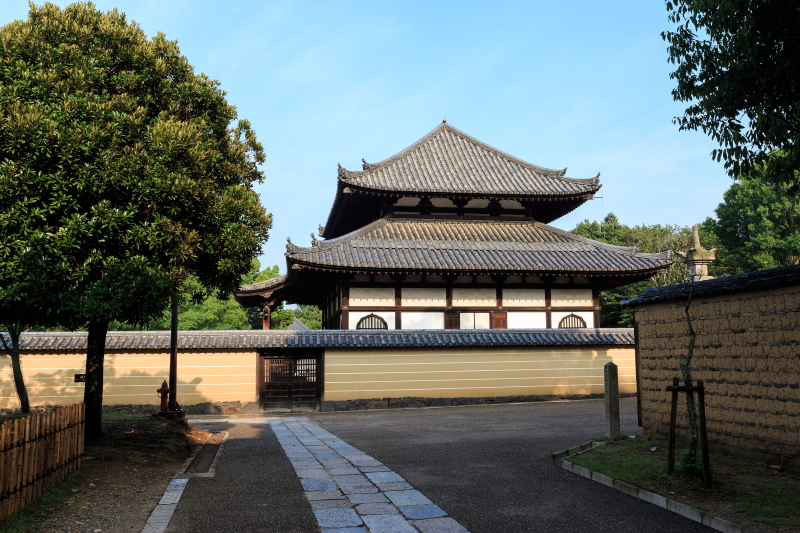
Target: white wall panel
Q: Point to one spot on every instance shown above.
(422, 320)
(474, 297)
(571, 297)
(419, 297)
(527, 319)
(475, 321)
(523, 297)
(371, 296)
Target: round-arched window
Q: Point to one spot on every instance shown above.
(572, 321)
(372, 321)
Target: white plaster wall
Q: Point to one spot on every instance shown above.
(474, 297)
(422, 320)
(523, 297)
(571, 297)
(418, 297)
(355, 316)
(371, 296)
(527, 319)
(588, 316)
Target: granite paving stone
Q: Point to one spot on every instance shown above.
(319, 505)
(397, 485)
(376, 508)
(418, 512)
(351, 478)
(367, 498)
(325, 495)
(374, 468)
(318, 484)
(337, 477)
(314, 473)
(383, 477)
(343, 471)
(357, 488)
(402, 498)
(337, 518)
(388, 524)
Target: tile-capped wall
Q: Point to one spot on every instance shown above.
(747, 352)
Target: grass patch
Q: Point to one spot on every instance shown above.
(742, 491)
(31, 517)
(776, 504)
(626, 460)
(109, 416)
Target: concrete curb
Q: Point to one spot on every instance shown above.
(696, 515)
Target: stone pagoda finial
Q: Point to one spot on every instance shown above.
(698, 258)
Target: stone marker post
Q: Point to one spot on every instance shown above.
(612, 401)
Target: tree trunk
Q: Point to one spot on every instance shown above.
(93, 392)
(14, 331)
(686, 371)
(173, 356)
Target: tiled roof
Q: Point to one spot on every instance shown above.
(474, 245)
(750, 280)
(254, 339)
(264, 285)
(450, 161)
(296, 325)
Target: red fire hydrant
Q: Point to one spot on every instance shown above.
(164, 392)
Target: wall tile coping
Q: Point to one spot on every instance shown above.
(256, 339)
(789, 275)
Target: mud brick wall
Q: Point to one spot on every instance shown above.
(747, 352)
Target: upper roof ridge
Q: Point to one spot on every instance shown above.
(350, 175)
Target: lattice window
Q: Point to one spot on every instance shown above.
(372, 321)
(572, 321)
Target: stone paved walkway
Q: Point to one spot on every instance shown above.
(351, 492)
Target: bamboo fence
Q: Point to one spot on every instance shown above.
(37, 451)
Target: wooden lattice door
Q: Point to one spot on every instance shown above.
(289, 383)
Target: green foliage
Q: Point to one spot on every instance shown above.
(117, 161)
(208, 311)
(123, 168)
(309, 315)
(647, 239)
(736, 67)
(757, 224)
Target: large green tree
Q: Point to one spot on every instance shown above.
(139, 165)
(757, 224)
(737, 68)
(647, 239)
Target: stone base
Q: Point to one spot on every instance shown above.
(412, 402)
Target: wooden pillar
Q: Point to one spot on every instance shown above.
(265, 317)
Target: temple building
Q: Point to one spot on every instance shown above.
(451, 233)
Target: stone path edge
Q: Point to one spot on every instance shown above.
(560, 459)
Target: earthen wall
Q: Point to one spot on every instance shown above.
(747, 352)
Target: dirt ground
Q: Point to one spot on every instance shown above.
(126, 475)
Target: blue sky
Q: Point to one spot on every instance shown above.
(578, 84)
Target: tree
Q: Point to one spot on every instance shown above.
(134, 154)
(736, 66)
(201, 309)
(756, 224)
(647, 239)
